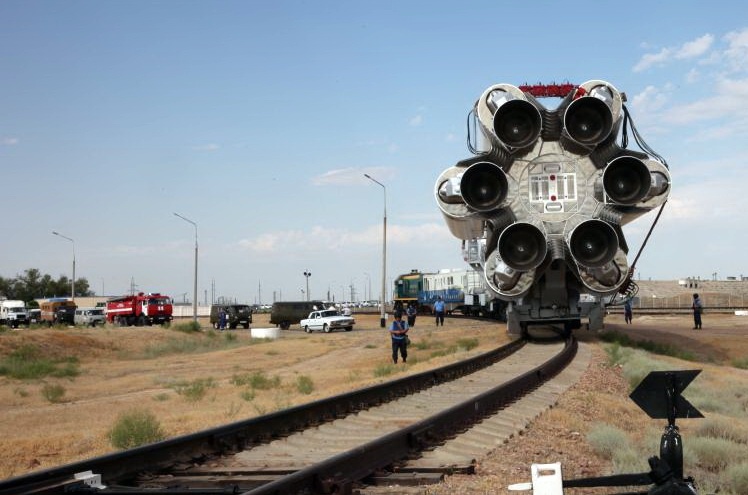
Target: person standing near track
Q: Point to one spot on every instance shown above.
(628, 313)
(439, 311)
(697, 309)
(399, 335)
(411, 312)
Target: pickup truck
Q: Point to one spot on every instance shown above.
(327, 321)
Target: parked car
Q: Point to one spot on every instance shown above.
(236, 314)
(89, 317)
(286, 313)
(35, 315)
(327, 321)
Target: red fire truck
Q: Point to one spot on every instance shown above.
(140, 309)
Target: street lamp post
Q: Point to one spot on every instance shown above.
(307, 274)
(72, 282)
(194, 288)
(382, 318)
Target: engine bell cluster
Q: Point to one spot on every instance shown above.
(540, 205)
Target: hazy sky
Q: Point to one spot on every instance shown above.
(258, 120)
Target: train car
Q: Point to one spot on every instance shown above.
(462, 291)
(407, 289)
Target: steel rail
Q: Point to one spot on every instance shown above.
(336, 474)
(237, 436)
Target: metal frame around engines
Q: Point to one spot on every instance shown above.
(544, 198)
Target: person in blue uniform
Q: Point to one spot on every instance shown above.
(399, 336)
(697, 308)
(628, 313)
(439, 311)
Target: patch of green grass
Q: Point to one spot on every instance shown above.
(135, 428)
(741, 363)
(192, 344)
(27, 362)
(384, 370)
(195, 390)
(427, 343)
(186, 327)
(371, 346)
(304, 384)
(467, 344)
(161, 397)
(53, 392)
(247, 394)
(647, 345)
(256, 380)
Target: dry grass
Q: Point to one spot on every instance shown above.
(116, 377)
(36, 433)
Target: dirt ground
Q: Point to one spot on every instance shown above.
(558, 435)
(123, 369)
(138, 368)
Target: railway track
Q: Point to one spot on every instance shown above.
(409, 431)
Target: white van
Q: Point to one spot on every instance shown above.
(13, 313)
(89, 317)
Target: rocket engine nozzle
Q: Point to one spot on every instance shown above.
(522, 246)
(517, 123)
(484, 186)
(588, 120)
(593, 243)
(627, 180)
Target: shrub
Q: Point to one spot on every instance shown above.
(304, 384)
(53, 392)
(627, 460)
(722, 428)
(737, 476)
(715, 453)
(195, 390)
(26, 363)
(135, 428)
(606, 440)
(741, 363)
(247, 394)
(256, 380)
(187, 327)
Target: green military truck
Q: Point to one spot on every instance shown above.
(236, 314)
(286, 313)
